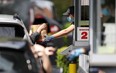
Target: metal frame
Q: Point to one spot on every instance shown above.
(83, 59)
(77, 18)
(77, 14)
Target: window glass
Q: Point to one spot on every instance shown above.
(108, 28)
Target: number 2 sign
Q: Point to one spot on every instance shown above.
(83, 33)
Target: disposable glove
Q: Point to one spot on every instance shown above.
(75, 53)
(49, 38)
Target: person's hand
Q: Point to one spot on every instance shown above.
(41, 27)
(49, 38)
(75, 53)
(39, 50)
(50, 50)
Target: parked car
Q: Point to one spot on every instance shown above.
(15, 52)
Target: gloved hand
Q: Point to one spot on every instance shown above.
(75, 53)
(49, 38)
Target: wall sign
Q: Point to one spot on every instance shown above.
(83, 33)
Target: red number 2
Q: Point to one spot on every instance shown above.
(84, 35)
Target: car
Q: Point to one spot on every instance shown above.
(15, 52)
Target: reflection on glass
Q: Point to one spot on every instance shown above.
(108, 28)
(84, 16)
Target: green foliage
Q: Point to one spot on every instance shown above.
(65, 39)
(61, 60)
(61, 6)
(67, 25)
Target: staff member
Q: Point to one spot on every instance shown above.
(70, 17)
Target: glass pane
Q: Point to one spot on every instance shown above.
(108, 28)
(84, 13)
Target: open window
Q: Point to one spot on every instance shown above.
(11, 30)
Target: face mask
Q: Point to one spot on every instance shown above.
(70, 19)
(105, 12)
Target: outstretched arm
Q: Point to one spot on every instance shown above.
(60, 33)
(64, 32)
